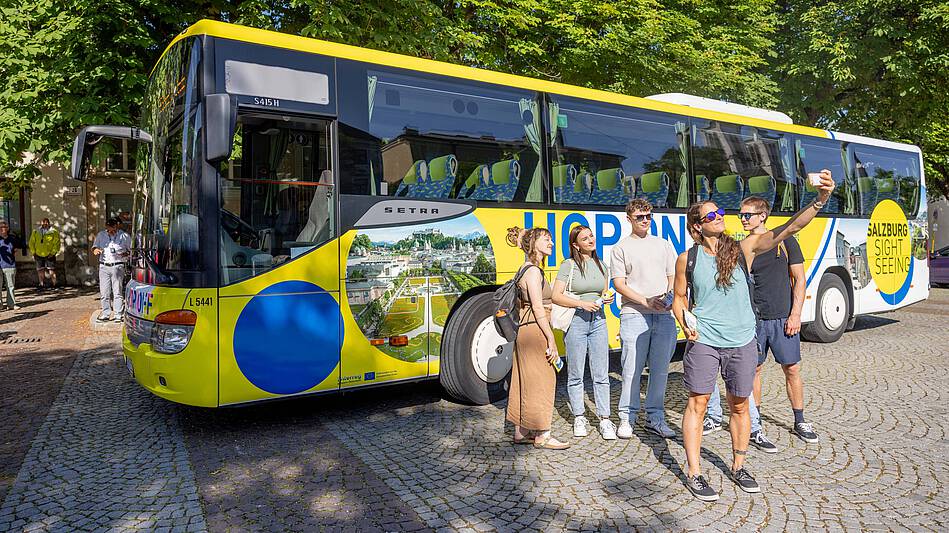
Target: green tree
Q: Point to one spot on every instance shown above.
(483, 269)
(878, 68)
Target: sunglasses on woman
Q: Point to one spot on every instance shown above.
(712, 215)
(747, 216)
(640, 218)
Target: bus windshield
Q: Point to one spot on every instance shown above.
(165, 228)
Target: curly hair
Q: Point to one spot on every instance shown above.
(637, 204)
(525, 239)
(729, 250)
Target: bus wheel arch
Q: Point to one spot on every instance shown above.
(833, 312)
(475, 364)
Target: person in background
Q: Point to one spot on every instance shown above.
(8, 247)
(44, 245)
(111, 246)
(779, 296)
(642, 268)
(721, 332)
(585, 278)
(530, 403)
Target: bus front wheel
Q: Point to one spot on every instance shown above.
(475, 360)
(833, 311)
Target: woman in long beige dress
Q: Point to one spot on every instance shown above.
(530, 405)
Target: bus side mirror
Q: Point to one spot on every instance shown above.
(220, 122)
(89, 136)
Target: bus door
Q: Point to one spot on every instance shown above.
(280, 323)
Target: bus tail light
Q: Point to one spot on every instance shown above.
(172, 330)
(376, 342)
(399, 340)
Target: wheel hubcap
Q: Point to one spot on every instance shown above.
(491, 355)
(833, 308)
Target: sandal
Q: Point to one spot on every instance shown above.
(550, 443)
(528, 438)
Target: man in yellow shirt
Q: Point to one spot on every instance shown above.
(44, 245)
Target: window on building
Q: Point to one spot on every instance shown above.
(733, 162)
(424, 136)
(608, 154)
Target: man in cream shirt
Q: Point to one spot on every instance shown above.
(112, 248)
(642, 267)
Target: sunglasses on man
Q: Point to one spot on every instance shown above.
(747, 216)
(640, 218)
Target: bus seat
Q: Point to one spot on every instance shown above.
(866, 190)
(565, 177)
(502, 182)
(654, 187)
(763, 187)
(479, 177)
(417, 173)
(729, 190)
(438, 181)
(317, 227)
(887, 189)
(607, 188)
(702, 187)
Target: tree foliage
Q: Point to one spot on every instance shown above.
(876, 67)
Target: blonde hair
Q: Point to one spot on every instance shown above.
(525, 239)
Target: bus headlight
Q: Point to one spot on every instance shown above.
(172, 331)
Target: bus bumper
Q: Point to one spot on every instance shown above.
(181, 378)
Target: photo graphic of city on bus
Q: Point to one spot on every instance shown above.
(403, 281)
(850, 243)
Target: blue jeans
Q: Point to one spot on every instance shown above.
(587, 335)
(646, 337)
(714, 409)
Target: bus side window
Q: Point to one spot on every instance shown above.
(885, 174)
(605, 154)
(813, 155)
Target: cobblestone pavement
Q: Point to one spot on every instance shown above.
(403, 458)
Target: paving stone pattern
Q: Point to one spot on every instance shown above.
(109, 456)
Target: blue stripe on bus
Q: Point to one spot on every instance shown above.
(820, 258)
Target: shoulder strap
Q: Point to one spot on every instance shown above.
(749, 279)
(573, 266)
(689, 270)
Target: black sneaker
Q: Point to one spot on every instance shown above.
(710, 425)
(743, 479)
(805, 432)
(700, 488)
(758, 440)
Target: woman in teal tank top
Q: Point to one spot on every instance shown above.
(722, 337)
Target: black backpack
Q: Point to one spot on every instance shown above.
(507, 302)
(690, 269)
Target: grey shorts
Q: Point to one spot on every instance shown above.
(786, 350)
(702, 364)
(45, 262)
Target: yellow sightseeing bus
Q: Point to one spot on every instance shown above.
(313, 217)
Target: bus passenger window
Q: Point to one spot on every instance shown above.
(277, 195)
(608, 154)
(814, 155)
(423, 136)
(885, 174)
(736, 162)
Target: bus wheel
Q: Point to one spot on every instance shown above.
(833, 311)
(475, 360)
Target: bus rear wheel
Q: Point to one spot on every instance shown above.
(475, 360)
(833, 311)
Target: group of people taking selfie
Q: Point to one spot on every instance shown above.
(734, 300)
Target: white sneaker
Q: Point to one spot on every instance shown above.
(580, 427)
(625, 430)
(608, 429)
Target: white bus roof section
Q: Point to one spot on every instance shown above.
(710, 104)
(846, 137)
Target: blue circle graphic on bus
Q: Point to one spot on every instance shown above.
(288, 337)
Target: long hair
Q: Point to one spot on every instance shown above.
(575, 254)
(526, 239)
(729, 251)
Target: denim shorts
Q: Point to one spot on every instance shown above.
(702, 364)
(786, 350)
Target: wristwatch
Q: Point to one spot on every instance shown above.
(818, 204)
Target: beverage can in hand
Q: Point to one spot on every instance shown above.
(558, 364)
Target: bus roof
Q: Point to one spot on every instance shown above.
(305, 44)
